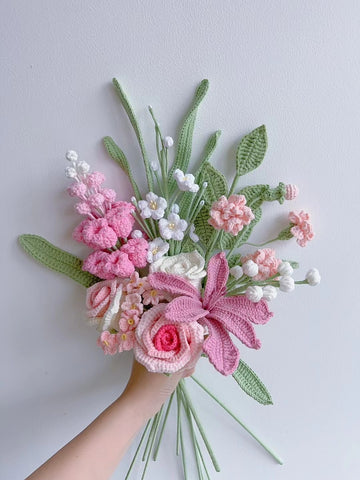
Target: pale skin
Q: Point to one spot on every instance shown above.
(96, 451)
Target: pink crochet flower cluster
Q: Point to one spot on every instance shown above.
(302, 229)
(230, 214)
(266, 260)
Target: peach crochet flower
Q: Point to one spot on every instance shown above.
(230, 214)
(266, 261)
(302, 229)
(109, 342)
(162, 346)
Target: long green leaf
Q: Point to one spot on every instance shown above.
(217, 184)
(251, 384)
(118, 155)
(130, 113)
(184, 146)
(56, 259)
(202, 227)
(251, 151)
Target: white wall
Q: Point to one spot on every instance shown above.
(291, 65)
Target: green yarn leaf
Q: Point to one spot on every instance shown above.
(131, 115)
(229, 241)
(286, 233)
(251, 384)
(202, 227)
(234, 260)
(56, 259)
(118, 155)
(251, 151)
(217, 184)
(256, 195)
(184, 146)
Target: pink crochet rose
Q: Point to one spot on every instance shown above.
(302, 229)
(121, 219)
(136, 248)
(108, 265)
(164, 347)
(230, 214)
(266, 261)
(109, 342)
(100, 296)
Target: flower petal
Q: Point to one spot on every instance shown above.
(172, 284)
(217, 275)
(219, 348)
(237, 325)
(185, 310)
(240, 305)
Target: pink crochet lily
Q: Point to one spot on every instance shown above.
(220, 314)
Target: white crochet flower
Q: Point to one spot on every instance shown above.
(236, 272)
(269, 293)
(285, 269)
(254, 293)
(313, 277)
(190, 266)
(168, 142)
(250, 268)
(185, 182)
(153, 206)
(157, 248)
(192, 234)
(287, 284)
(172, 227)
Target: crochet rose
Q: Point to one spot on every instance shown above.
(267, 262)
(190, 266)
(164, 347)
(100, 295)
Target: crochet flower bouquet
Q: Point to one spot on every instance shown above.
(166, 276)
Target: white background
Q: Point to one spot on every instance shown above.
(291, 65)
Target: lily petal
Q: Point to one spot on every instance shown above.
(219, 348)
(237, 325)
(240, 305)
(173, 284)
(185, 310)
(217, 275)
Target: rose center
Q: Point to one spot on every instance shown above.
(167, 339)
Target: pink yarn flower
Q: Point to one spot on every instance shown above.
(108, 265)
(109, 342)
(100, 296)
(164, 347)
(121, 219)
(133, 302)
(129, 320)
(153, 297)
(136, 248)
(266, 261)
(220, 314)
(77, 189)
(230, 214)
(95, 179)
(98, 234)
(127, 340)
(137, 284)
(302, 229)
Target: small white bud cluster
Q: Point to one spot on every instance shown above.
(286, 282)
(168, 142)
(78, 167)
(255, 293)
(250, 268)
(313, 277)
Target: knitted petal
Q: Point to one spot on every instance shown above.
(219, 348)
(237, 325)
(217, 275)
(185, 310)
(172, 284)
(240, 305)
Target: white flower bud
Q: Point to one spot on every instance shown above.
(236, 272)
(168, 142)
(175, 208)
(250, 268)
(313, 277)
(136, 234)
(72, 156)
(133, 200)
(254, 293)
(287, 284)
(70, 172)
(285, 269)
(269, 293)
(154, 165)
(83, 167)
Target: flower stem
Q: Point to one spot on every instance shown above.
(163, 427)
(157, 421)
(278, 459)
(149, 437)
(178, 425)
(199, 425)
(137, 450)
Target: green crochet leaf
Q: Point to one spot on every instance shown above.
(228, 241)
(251, 384)
(184, 146)
(187, 197)
(234, 260)
(130, 113)
(217, 184)
(251, 151)
(256, 195)
(56, 259)
(118, 155)
(202, 227)
(286, 233)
